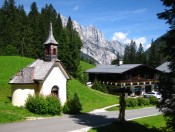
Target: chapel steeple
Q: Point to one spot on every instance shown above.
(50, 46)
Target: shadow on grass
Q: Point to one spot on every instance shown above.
(95, 120)
(129, 126)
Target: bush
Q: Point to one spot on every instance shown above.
(142, 101)
(99, 86)
(43, 105)
(131, 102)
(73, 106)
(153, 100)
(54, 105)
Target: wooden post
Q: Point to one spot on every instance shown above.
(121, 117)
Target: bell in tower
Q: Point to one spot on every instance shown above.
(50, 46)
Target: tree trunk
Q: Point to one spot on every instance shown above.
(121, 117)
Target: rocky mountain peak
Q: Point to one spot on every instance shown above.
(95, 44)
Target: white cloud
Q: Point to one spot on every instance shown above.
(76, 8)
(119, 36)
(147, 46)
(123, 38)
(141, 40)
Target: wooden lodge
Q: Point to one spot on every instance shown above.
(137, 78)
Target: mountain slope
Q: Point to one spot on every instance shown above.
(95, 44)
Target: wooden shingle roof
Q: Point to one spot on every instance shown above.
(37, 71)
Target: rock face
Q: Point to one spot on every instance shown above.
(95, 44)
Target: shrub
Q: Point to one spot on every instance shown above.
(43, 105)
(36, 104)
(131, 102)
(54, 105)
(73, 106)
(99, 86)
(143, 101)
(153, 100)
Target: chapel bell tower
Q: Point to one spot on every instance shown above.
(50, 46)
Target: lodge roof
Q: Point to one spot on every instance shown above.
(113, 68)
(37, 71)
(164, 67)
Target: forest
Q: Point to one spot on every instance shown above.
(24, 34)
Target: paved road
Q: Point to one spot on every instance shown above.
(73, 122)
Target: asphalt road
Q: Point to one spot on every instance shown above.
(74, 122)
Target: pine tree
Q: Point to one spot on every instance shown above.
(34, 24)
(126, 55)
(154, 55)
(130, 53)
(133, 49)
(74, 46)
(141, 58)
(167, 83)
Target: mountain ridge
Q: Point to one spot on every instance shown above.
(95, 44)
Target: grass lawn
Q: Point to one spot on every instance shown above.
(85, 66)
(147, 124)
(90, 99)
(10, 65)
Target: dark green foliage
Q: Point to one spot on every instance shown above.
(153, 100)
(131, 102)
(37, 104)
(143, 101)
(73, 106)
(154, 57)
(54, 105)
(130, 53)
(167, 83)
(24, 34)
(140, 55)
(99, 86)
(43, 105)
(134, 102)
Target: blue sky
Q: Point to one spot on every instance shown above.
(121, 20)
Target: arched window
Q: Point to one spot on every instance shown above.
(55, 91)
(54, 51)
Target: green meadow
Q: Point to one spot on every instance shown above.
(10, 65)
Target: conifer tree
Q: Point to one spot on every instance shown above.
(167, 83)
(141, 59)
(34, 24)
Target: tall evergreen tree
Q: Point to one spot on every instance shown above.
(130, 53)
(141, 58)
(167, 83)
(133, 50)
(126, 59)
(74, 46)
(154, 55)
(34, 24)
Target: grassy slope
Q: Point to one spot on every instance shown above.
(91, 99)
(10, 65)
(147, 124)
(85, 66)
